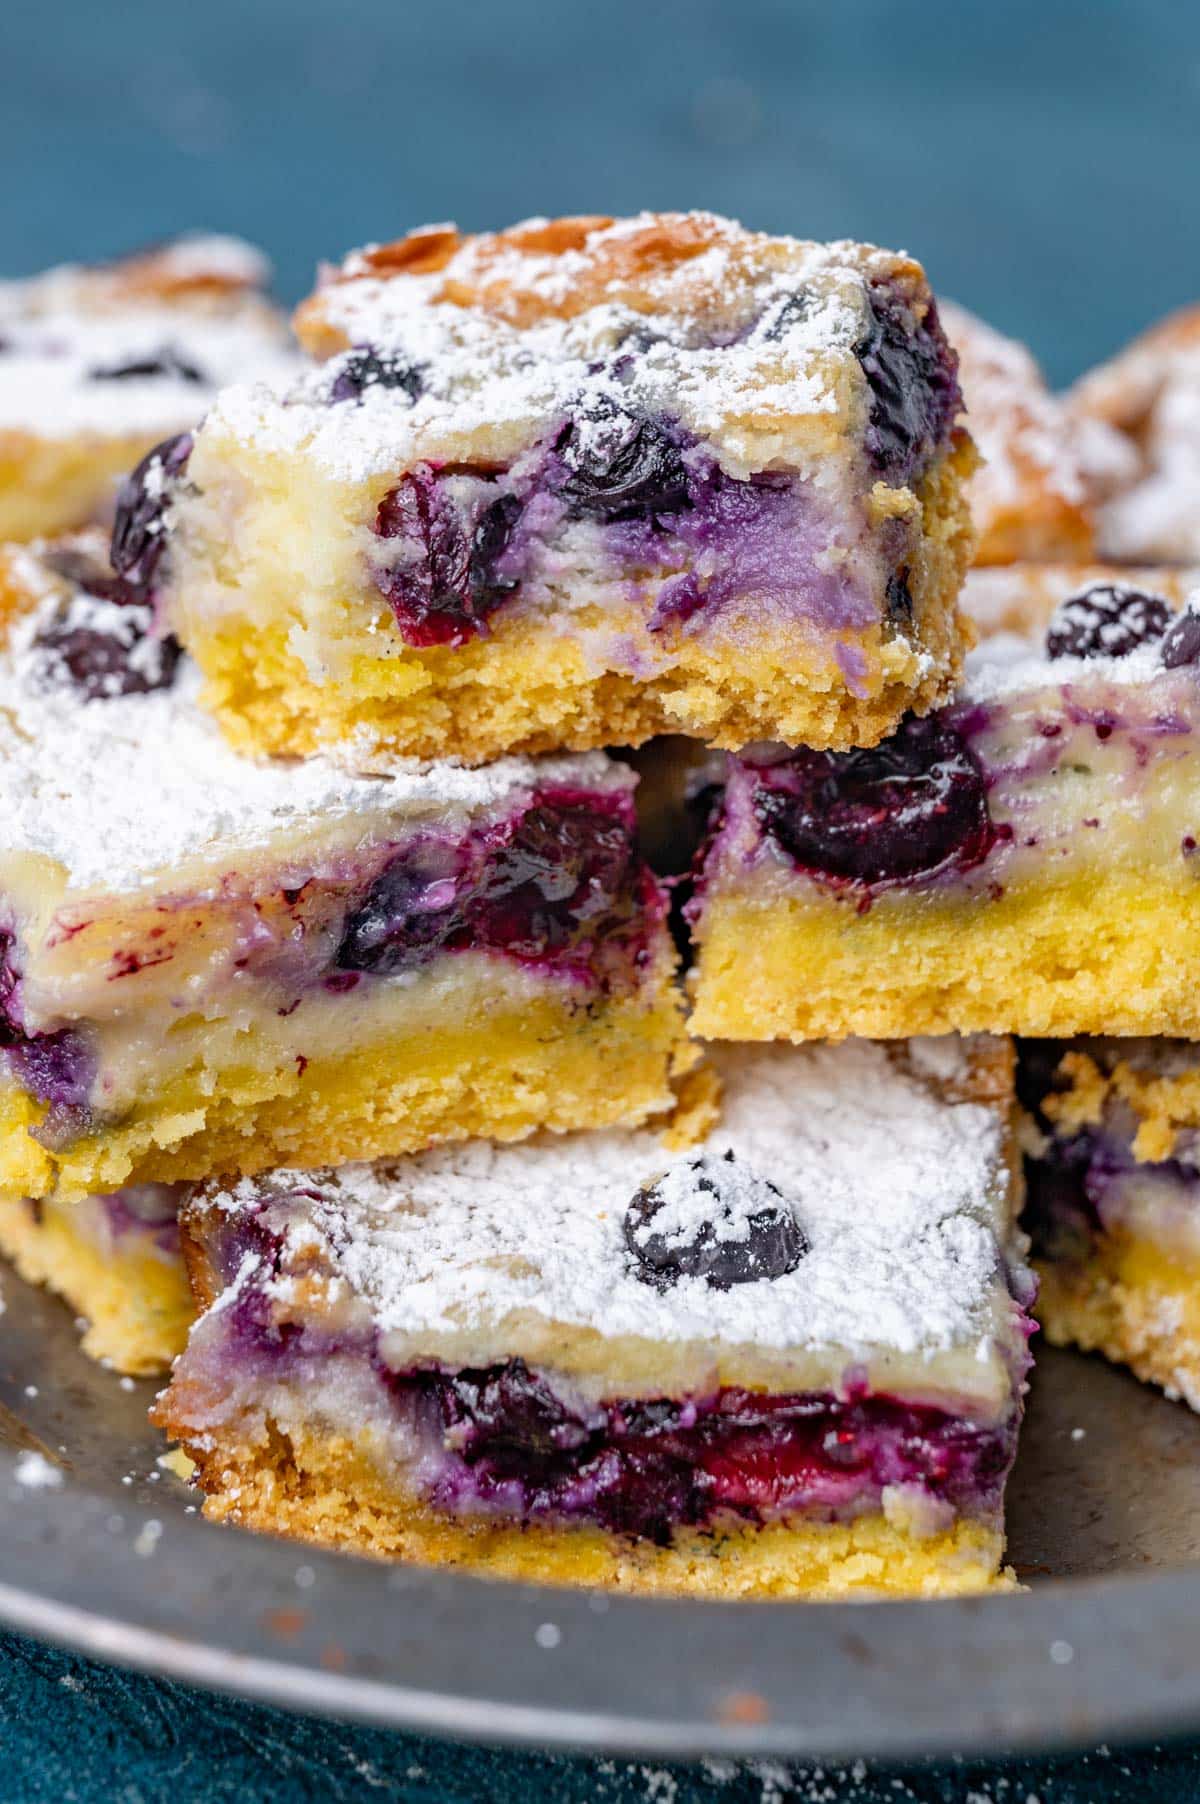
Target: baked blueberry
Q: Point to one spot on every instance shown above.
(1181, 644)
(913, 377)
(137, 535)
(166, 360)
(564, 875)
(83, 571)
(714, 1218)
(363, 368)
(621, 467)
(409, 912)
(898, 597)
(1106, 620)
(898, 810)
(446, 585)
(103, 650)
(787, 313)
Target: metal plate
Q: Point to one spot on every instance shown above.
(1105, 1646)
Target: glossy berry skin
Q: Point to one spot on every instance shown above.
(646, 1467)
(444, 593)
(727, 1246)
(899, 811)
(166, 360)
(137, 535)
(363, 368)
(621, 467)
(1107, 620)
(1181, 644)
(560, 879)
(912, 374)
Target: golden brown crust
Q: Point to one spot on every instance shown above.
(1030, 499)
(133, 1299)
(1135, 1307)
(805, 968)
(199, 272)
(558, 268)
(1123, 391)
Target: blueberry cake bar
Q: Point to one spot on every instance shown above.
(217, 964)
(786, 1358)
(1034, 497)
(116, 1261)
(1113, 1176)
(98, 364)
(578, 482)
(1150, 396)
(1024, 860)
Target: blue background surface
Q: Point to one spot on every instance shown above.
(1041, 158)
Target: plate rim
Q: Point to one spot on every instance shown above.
(1066, 1664)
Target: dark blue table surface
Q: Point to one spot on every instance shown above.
(71, 1730)
(1041, 158)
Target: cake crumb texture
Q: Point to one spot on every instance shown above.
(329, 1491)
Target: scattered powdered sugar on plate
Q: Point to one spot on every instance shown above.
(35, 1472)
(119, 789)
(902, 1198)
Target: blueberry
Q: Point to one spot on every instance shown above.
(516, 1419)
(621, 467)
(912, 375)
(445, 593)
(83, 571)
(165, 361)
(1107, 620)
(787, 313)
(363, 368)
(408, 914)
(898, 597)
(137, 535)
(1181, 646)
(900, 810)
(565, 872)
(107, 653)
(712, 1218)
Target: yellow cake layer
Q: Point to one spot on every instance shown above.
(1095, 952)
(327, 1490)
(1133, 1302)
(135, 1297)
(52, 485)
(532, 684)
(553, 1062)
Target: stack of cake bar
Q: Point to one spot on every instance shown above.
(487, 1206)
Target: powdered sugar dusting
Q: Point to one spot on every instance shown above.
(48, 371)
(118, 789)
(1151, 394)
(1007, 663)
(709, 1189)
(902, 1197)
(738, 343)
(137, 348)
(35, 1472)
